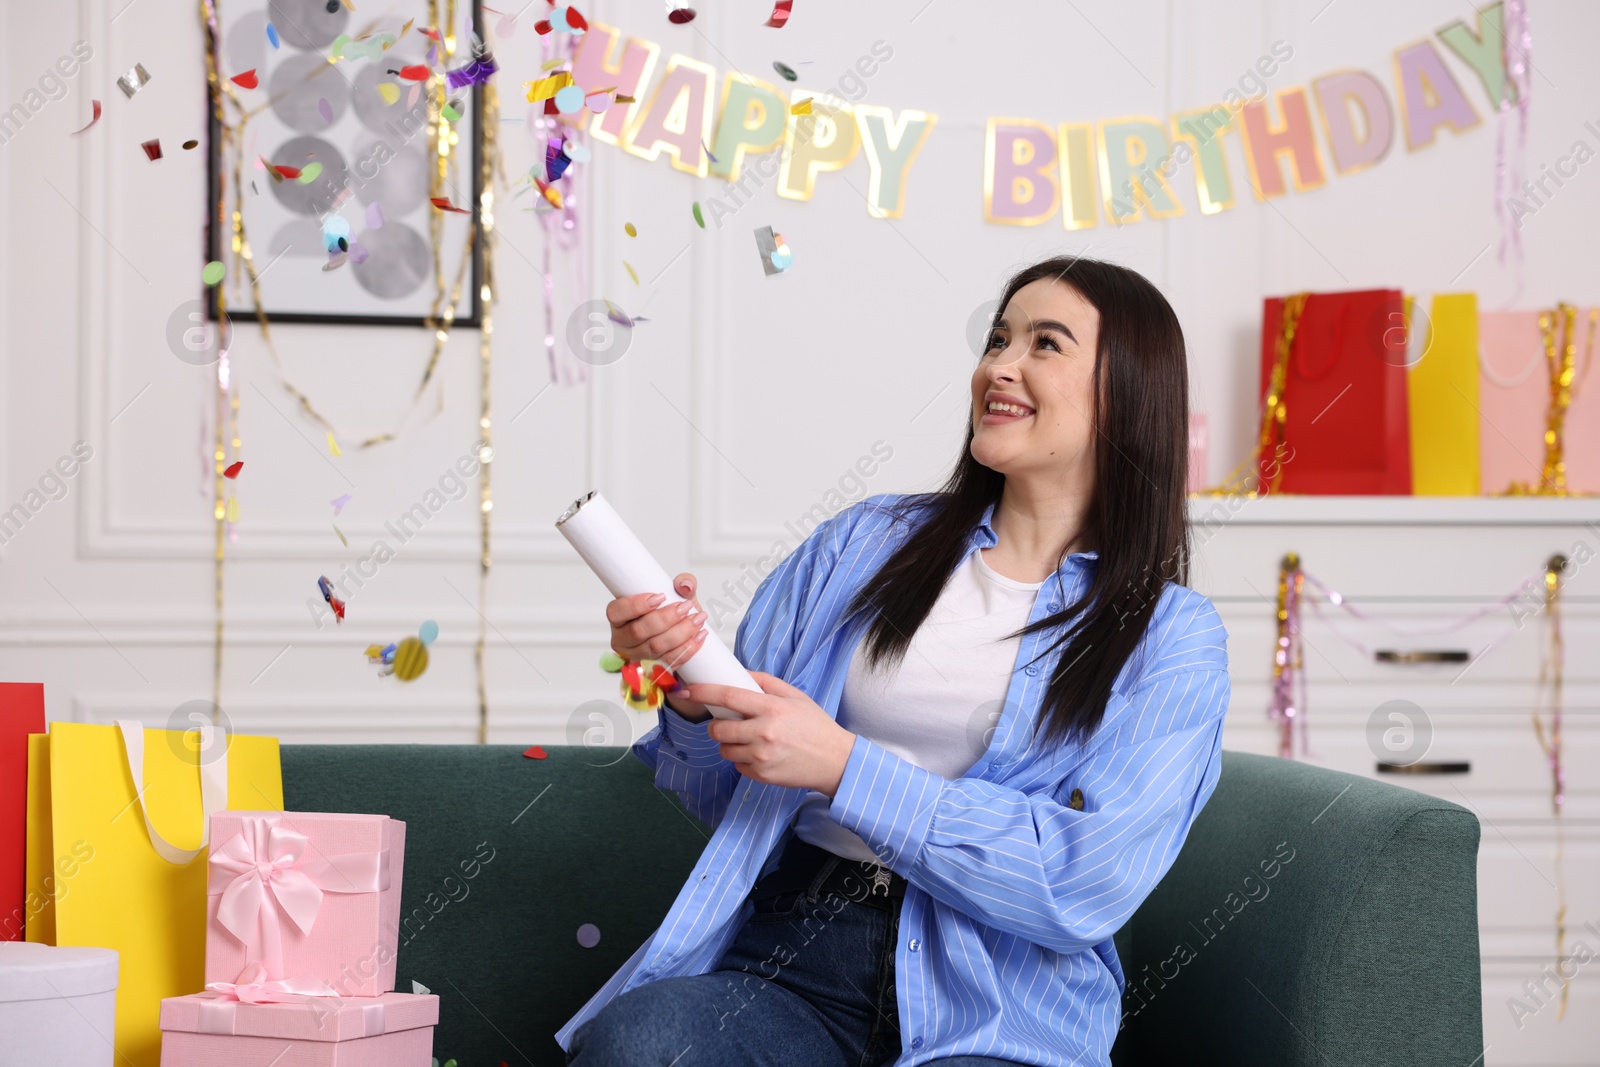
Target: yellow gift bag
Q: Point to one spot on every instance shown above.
(1442, 392)
(118, 819)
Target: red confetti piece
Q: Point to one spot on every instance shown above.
(536, 752)
(287, 172)
(152, 149)
(780, 14)
(681, 15)
(429, 33)
(542, 26)
(575, 20)
(233, 470)
(338, 608)
(94, 120)
(443, 204)
(416, 73)
(247, 80)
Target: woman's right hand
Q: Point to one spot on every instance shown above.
(642, 629)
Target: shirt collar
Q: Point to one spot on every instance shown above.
(985, 537)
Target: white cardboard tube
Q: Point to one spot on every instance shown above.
(622, 563)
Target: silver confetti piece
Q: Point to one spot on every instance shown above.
(134, 80)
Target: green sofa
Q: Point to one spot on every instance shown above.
(1313, 918)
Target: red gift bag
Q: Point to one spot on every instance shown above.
(21, 714)
(1346, 427)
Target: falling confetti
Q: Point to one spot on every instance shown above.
(410, 659)
(374, 216)
(450, 113)
(389, 91)
(443, 204)
(333, 446)
(628, 228)
(786, 71)
(325, 109)
(802, 107)
(92, 121)
(698, 218)
(234, 469)
(415, 73)
(680, 15)
(545, 88)
(247, 80)
(428, 632)
(339, 502)
(310, 173)
(134, 80)
(340, 532)
(780, 14)
(333, 602)
(535, 752)
(272, 36)
(631, 272)
(191, 143)
(708, 149)
(152, 149)
(233, 509)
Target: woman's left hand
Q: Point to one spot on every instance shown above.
(785, 738)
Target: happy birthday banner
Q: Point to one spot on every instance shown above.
(1121, 168)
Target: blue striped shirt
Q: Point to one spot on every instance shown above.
(1012, 897)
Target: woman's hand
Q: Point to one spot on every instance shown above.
(785, 738)
(642, 629)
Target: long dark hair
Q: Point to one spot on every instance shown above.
(1137, 519)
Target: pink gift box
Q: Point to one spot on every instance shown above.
(311, 896)
(394, 1030)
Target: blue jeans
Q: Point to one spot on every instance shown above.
(803, 984)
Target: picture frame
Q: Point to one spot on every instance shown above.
(372, 142)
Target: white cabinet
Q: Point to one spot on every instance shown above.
(1419, 564)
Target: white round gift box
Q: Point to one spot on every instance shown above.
(58, 1005)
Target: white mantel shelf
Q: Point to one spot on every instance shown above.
(1288, 510)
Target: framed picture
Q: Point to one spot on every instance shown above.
(339, 226)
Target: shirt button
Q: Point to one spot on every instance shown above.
(914, 945)
(1032, 670)
(916, 1042)
(1055, 605)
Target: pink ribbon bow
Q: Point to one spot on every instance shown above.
(220, 1009)
(265, 878)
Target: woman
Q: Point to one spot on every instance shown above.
(953, 878)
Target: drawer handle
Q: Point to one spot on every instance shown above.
(1425, 767)
(1440, 655)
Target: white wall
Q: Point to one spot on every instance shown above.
(736, 409)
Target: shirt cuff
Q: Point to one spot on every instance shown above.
(688, 742)
(888, 802)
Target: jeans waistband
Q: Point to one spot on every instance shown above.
(804, 867)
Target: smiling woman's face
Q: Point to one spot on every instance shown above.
(1039, 358)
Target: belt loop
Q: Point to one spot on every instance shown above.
(822, 876)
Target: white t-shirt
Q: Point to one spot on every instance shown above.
(938, 706)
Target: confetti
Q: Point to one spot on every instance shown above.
(428, 632)
(213, 274)
(333, 5)
(333, 602)
(339, 502)
(597, 102)
(310, 173)
(333, 446)
(802, 107)
(247, 80)
(698, 218)
(374, 216)
(576, 151)
(92, 121)
(631, 272)
(588, 935)
(681, 15)
(233, 509)
(545, 88)
(335, 261)
(389, 91)
(325, 109)
(191, 143)
(340, 532)
(152, 149)
(285, 172)
(775, 255)
(134, 80)
(410, 659)
(708, 149)
(272, 36)
(780, 14)
(415, 73)
(450, 113)
(443, 204)
(555, 163)
(535, 752)
(475, 73)
(234, 469)
(628, 228)
(623, 98)
(786, 71)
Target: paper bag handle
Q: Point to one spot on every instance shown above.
(213, 788)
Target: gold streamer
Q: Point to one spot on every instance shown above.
(1558, 328)
(488, 125)
(1550, 675)
(1245, 479)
